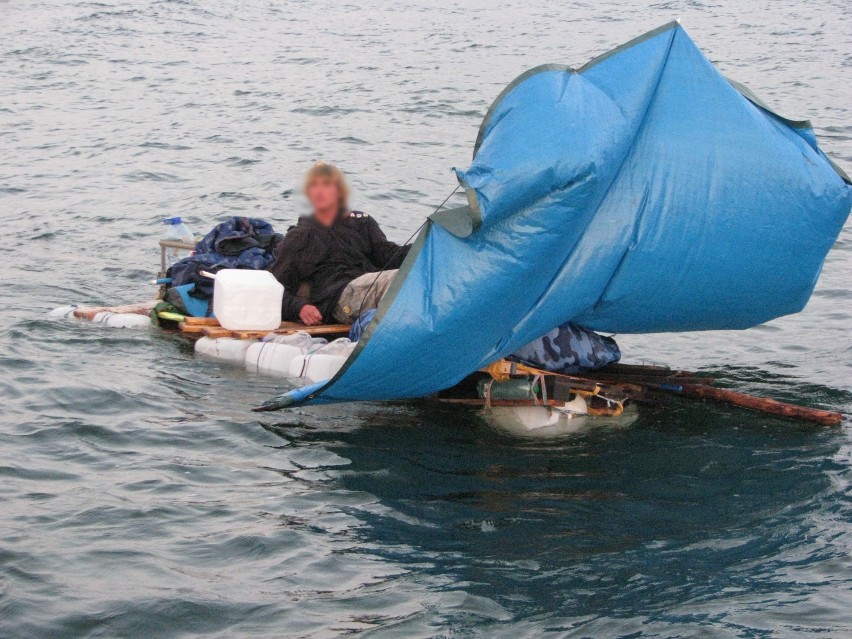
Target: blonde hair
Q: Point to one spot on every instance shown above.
(324, 171)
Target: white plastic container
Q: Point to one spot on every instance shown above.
(323, 363)
(273, 356)
(270, 358)
(245, 300)
(122, 320)
(65, 312)
(224, 349)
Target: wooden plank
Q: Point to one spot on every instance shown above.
(177, 244)
(216, 331)
(762, 404)
(202, 321)
(250, 334)
(210, 326)
(322, 329)
(189, 328)
(284, 328)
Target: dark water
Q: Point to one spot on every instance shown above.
(141, 498)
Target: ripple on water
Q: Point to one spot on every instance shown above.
(142, 498)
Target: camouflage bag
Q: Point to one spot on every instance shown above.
(569, 349)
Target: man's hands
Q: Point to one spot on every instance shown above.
(310, 315)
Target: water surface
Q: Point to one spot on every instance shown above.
(141, 498)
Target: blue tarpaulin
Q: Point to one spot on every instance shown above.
(641, 193)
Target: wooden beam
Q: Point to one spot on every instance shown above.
(249, 334)
(189, 328)
(202, 321)
(284, 327)
(216, 331)
(210, 326)
(322, 329)
(762, 404)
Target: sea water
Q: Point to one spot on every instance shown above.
(141, 497)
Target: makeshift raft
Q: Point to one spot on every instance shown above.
(605, 393)
(640, 193)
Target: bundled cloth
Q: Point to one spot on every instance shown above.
(240, 242)
(568, 349)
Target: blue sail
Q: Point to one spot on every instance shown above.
(641, 193)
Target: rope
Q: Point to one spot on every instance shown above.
(260, 354)
(406, 243)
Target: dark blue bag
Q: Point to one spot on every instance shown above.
(239, 242)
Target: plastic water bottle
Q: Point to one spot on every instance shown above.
(273, 355)
(323, 363)
(177, 231)
(225, 349)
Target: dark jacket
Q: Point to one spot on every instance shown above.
(328, 258)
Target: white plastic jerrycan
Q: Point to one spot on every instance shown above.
(245, 300)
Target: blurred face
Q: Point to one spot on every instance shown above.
(324, 196)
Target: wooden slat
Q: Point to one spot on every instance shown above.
(189, 246)
(216, 331)
(284, 327)
(322, 329)
(202, 321)
(210, 326)
(188, 328)
(249, 334)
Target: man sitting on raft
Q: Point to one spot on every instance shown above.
(342, 255)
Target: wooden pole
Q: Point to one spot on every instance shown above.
(687, 384)
(760, 404)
